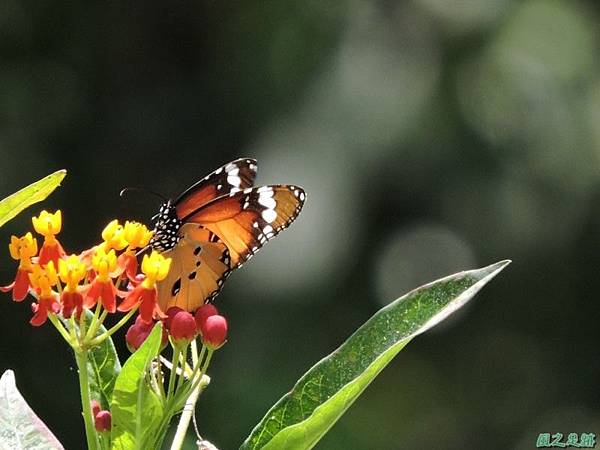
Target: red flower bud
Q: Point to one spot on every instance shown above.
(140, 322)
(95, 407)
(136, 335)
(204, 312)
(182, 327)
(102, 421)
(214, 331)
(139, 331)
(170, 314)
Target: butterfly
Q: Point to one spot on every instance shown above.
(214, 227)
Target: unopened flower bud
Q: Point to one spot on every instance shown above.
(214, 331)
(139, 331)
(182, 327)
(204, 312)
(171, 312)
(102, 421)
(136, 335)
(95, 407)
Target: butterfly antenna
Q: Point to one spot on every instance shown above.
(141, 189)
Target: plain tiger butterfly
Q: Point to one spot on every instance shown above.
(214, 227)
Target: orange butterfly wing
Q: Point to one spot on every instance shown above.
(244, 221)
(200, 266)
(232, 177)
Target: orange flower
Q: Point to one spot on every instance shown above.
(49, 225)
(102, 287)
(21, 249)
(155, 267)
(43, 279)
(137, 236)
(71, 272)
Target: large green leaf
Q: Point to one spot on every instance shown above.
(300, 418)
(20, 428)
(136, 410)
(103, 365)
(36, 192)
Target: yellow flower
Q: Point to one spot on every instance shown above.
(23, 248)
(155, 267)
(136, 234)
(104, 263)
(44, 278)
(113, 236)
(71, 272)
(47, 224)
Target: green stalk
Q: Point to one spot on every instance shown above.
(92, 438)
(181, 378)
(101, 338)
(174, 364)
(61, 329)
(94, 323)
(189, 407)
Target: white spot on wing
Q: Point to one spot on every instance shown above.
(267, 201)
(269, 215)
(234, 180)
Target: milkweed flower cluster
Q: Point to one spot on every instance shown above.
(70, 283)
(77, 291)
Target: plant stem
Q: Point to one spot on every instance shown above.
(61, 329)
(184, 421)
(99, 339)
(183, 372)
(188, 409)
(82, 359)
(174, 364)
(81, 326)
(94, 323)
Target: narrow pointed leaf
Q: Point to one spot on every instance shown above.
(135, 408)
(301, 418)
(20, 428)
(35, 192)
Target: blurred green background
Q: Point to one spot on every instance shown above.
(431, 136)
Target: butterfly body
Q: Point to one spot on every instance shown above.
(166, 228)
(215, 226)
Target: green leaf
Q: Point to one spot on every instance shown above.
(104, 368)
(301, 417)
(103, 364)
(36, 192)
(136, 410)
(20, 428)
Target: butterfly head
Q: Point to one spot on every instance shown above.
(166, 228)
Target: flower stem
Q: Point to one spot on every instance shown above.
(94, 323)
(99, 339)
(189, 407)
(61, 329)
(174, 364)
(183, 373)
(82, 359)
